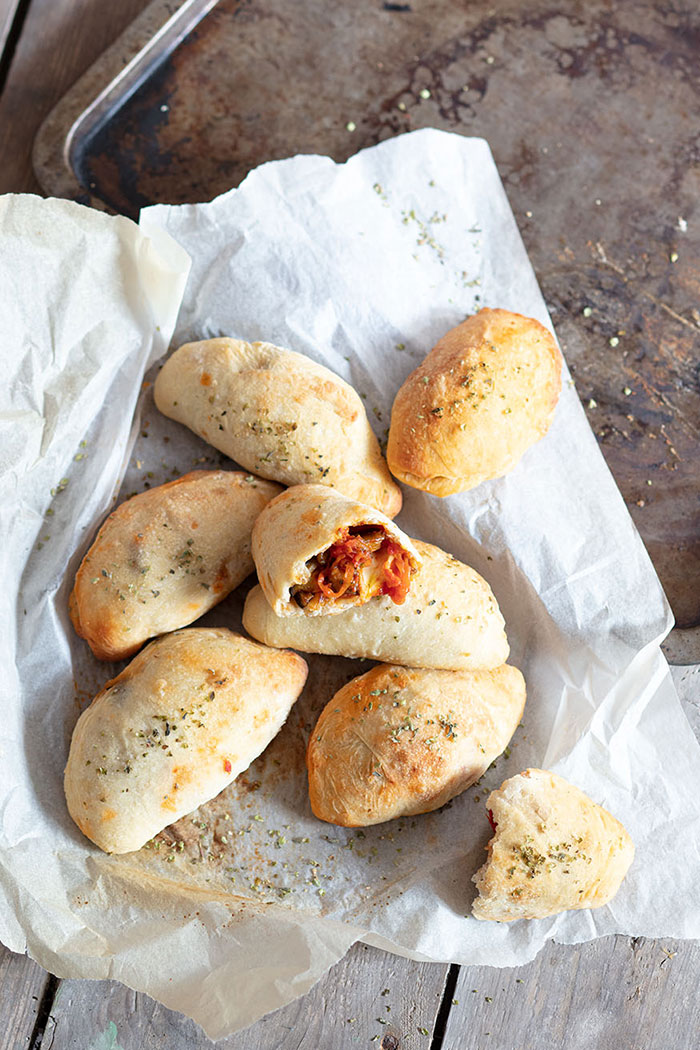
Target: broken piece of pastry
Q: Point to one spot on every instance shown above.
(450, 620)
(165, 557)
(484, 394)
(553, 850)
(279, 414)
(398, 741)
(316, 552)
(178, 724)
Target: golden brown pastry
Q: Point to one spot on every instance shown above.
(316, 551)
(181, 722)
(398, 741)
(279, 414)
(553, 850)
(485, 393)
(165, 557)
(449, 620)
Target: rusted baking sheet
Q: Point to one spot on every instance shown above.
(591, 112)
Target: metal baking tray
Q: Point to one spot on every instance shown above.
(183, 106)
(62, 146)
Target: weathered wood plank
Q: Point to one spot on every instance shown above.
(22, 985)
(59, 40)
(369, 998)
(630, 994)
(8, 9)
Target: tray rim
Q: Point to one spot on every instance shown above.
(104, 87)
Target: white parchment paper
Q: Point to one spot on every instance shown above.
(362, 266)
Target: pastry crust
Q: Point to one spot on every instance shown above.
(553, 850)
(165, 557)
(300, 526)
(279, 414)
(484, 394)
(399, 741)
(450, 620)
(181, 722)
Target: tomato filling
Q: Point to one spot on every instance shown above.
(362, 562)
(492, 822)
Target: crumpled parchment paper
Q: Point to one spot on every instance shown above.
(362, 266)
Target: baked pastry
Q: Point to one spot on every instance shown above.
(317, 551)
(165, 557)
(279, 414)
(187, 715)
(484, 394)
(553, 850)
(449, 620)
(398, 741)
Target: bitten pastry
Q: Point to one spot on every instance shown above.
(279, 414)
(318, 552)
(553, 850)
(397, 741)
(165, 557)
(449, 620)
(484, 394)
(181, 722)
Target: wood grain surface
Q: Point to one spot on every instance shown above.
(58, 41)
(8, 10)
(367, 994)
(22, 987)
(617, 993)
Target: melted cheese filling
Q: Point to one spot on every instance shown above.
(362, 562)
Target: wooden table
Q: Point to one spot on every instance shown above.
(622, 993)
